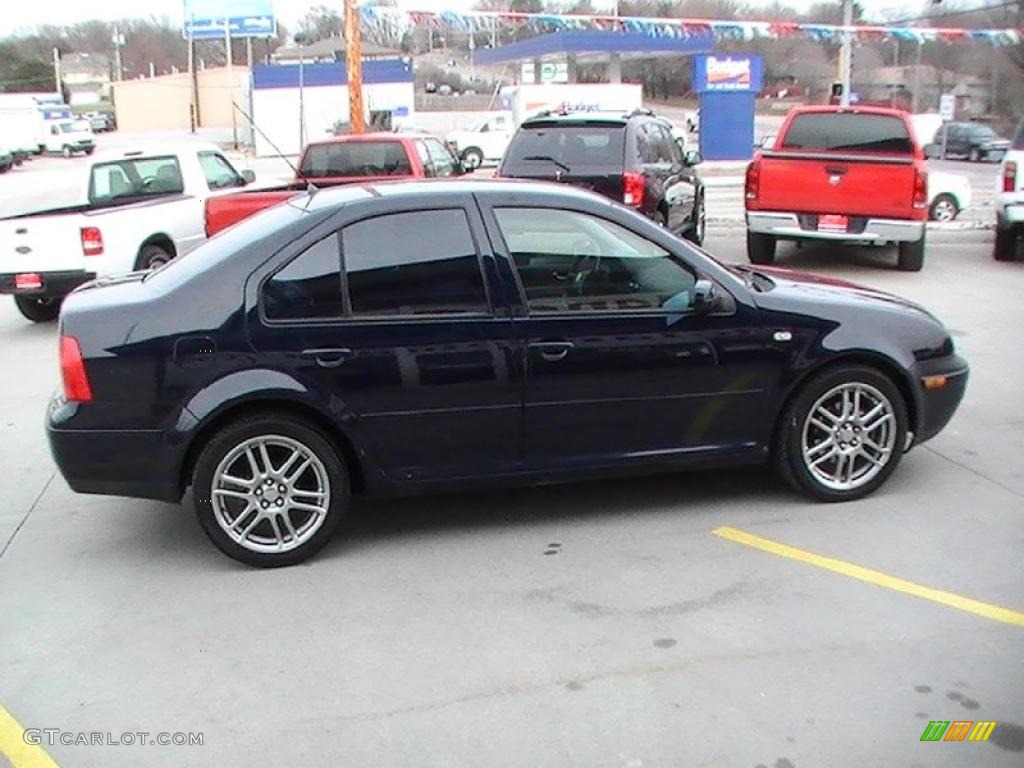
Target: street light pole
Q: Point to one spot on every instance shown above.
(846, 54)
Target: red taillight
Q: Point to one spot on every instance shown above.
(72, 371)
(92, 241)
(633, 189)
(28, 281)
(752, 183)
(1010, 177)
(920, 189)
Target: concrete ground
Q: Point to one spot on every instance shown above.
(599, 624)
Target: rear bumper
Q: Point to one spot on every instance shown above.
(1010, 213)
(786, 226)
(936, 405)
(138, 463)
(52, 284)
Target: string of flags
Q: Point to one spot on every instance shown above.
(395, 22)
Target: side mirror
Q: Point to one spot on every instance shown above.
(694, 157)
(932, 151)
(704, 298)
(248, 176)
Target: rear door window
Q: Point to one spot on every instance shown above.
(848, 132)
(356, 158)
(580, 148)
(413, 263)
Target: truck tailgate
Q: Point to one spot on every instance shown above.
(853, 185)
(41, 244)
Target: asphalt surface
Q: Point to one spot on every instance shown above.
(599, 624)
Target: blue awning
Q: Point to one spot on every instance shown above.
(591, 42)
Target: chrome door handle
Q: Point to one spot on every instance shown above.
(328, 357)
(552, 351)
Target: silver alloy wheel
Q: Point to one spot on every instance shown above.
(849, 436)
(270, 493)
(472, 159)
(944, 209)
(702, 222)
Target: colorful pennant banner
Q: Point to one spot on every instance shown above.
(395, 22)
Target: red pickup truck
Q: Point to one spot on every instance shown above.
(338, 160)
(845, 174)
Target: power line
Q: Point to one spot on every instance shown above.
(950, 14)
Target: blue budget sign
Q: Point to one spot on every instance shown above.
(715, 72)
(206, 19)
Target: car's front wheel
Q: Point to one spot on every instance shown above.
(270, 490)
(472, 159)
(943, 208)
(843, 433)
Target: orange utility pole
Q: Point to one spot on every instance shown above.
(354, 65)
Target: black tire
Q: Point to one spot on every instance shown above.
(911, 255)
(38, 310)
(944, 208)
(695, 234)
(472, 158)
(788, 449)
(1005, 248)
(760, 248)
(90, 150)
(68, 151)
(974, 155)
(277, 425)
(661, 218)
(152, 256)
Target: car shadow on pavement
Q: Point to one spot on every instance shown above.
(821, 257)
(680, 492)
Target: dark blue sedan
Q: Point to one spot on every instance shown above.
(408, 336)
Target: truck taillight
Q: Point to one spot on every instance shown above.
(752, 184)
(72, 371)
(920, 189)
(1010, 177)
(92, 241)
(633, 189)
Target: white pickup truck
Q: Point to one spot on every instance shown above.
(1010, 200)
(143, 208)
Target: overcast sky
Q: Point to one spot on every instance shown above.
(18, 15)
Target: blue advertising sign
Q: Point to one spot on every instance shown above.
(206, 19)
(714, 73)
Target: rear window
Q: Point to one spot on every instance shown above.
(848, 132)
(548, 149)
(356, 158)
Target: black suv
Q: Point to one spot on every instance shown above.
(973, 141)
(632, 158)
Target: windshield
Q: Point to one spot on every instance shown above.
(579, 148)
(356, 158)
(848, 132)
(135, 178)
(68, 127)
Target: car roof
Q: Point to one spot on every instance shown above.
(156, 150)
(434, 188)
(348, 138)
(852, 109)
(575, 118)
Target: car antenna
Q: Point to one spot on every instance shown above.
(310, 186)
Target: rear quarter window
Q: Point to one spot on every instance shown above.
(848, 132)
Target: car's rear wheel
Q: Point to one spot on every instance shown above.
(760, 248)
(911, 255)
(1005, 248)
(38, 310)
(843, 434)
(152, 256)
(472, 159)
(270, 490)
(943, 208)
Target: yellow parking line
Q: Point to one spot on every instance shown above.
(14, 748)
(987, 610)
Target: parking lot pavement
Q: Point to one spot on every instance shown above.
(599, 624)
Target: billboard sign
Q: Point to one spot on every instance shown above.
(713, 73)
(206, 19)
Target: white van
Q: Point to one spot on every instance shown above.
(68, 136)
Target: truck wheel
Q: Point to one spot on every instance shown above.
(67, 151)
(760, 248)
(943, 208)
(472, 158)
(90, 150)
(695, 234)
(152, 256)
(38, 310)
(911, 255)
(1006, 245)
(974, 156)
